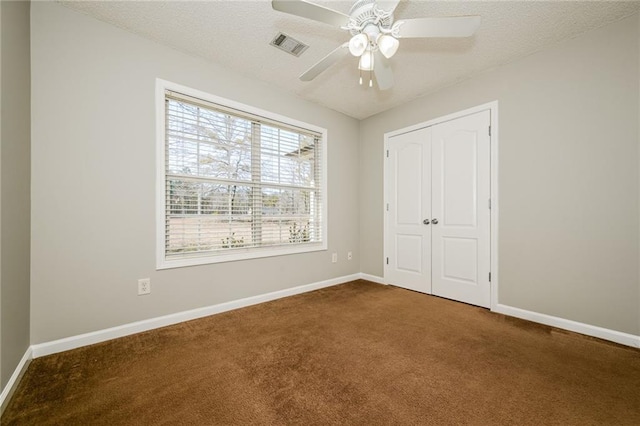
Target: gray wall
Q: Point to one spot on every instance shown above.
(14, 185)
(569, 178)
(93, 181)
(568, 175)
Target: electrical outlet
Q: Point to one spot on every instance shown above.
(144, 286)
(349, 255)
(334, 258)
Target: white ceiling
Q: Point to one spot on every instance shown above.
(236, 35)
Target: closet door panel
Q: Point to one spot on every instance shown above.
(408, 239)
(460, 209)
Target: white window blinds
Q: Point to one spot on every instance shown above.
(238, 183)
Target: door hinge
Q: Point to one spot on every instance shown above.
(387, 206)
(387, 153)
(489, 203)
(489, 276)
(387, 260)
(489, 130)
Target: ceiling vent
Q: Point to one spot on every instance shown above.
(289, 44)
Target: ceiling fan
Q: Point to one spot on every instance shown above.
(374, 33)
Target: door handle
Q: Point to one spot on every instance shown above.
(434, 221)
(426, 221)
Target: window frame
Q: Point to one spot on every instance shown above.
(162, 262)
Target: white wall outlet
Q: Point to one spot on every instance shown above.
(144, 286)
(334, 258)
(349, 255)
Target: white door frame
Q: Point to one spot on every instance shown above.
(493, 108)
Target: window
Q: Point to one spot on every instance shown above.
(235, 182)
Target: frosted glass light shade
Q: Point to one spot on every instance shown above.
(358, 44)
(366, 61)
(388, 45)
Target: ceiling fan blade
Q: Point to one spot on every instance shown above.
(382, 71)
(311, 11)
(325, 63)
(388, 5)
(457, 26)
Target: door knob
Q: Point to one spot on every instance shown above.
(434, 221)
(426, 221)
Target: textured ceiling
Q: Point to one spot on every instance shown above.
(236, 35)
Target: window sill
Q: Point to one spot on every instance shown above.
(206, 259)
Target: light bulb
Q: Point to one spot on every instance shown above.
(366, 61)
(358, 44)
(388, 45)
(360, 80)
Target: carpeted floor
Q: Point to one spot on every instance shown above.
(358, 353)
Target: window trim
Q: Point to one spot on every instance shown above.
(251, 253)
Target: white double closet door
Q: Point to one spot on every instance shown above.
(437, 237)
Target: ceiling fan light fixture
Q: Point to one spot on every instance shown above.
(388, 45)
(373, 28)
(366, 61)
(358, 44)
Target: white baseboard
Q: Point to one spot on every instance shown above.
(372, 278)
(12, 384)
(91, 338)
(565, 324)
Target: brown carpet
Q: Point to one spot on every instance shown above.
(358, 353)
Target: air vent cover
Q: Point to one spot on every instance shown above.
(288, 44)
